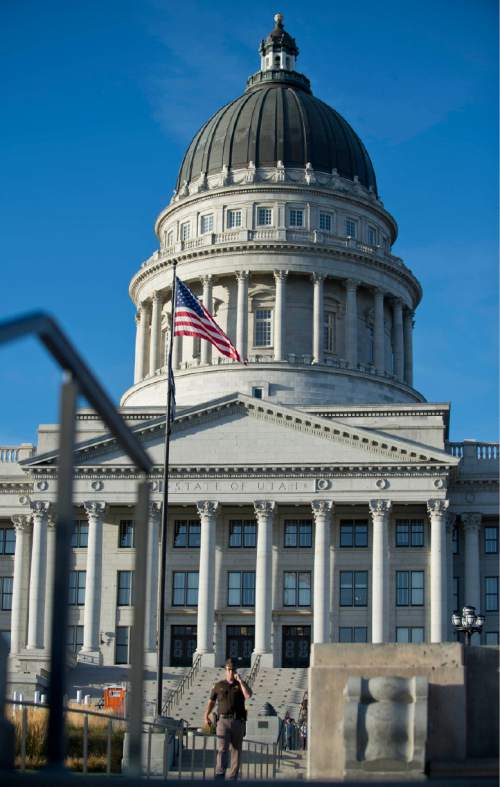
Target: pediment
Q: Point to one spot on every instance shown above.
(239, 430)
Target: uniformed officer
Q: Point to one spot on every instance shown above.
(230, 695)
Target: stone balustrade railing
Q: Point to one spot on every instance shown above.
(11, 454)
(278, 235)
(472, 451)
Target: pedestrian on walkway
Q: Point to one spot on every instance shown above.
(303, 733)
(230, 695)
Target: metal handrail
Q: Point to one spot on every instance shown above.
(253, 672)
(79, 380)
(186, 682)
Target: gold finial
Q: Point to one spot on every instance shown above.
(278, 18)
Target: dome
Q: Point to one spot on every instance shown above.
(277, 119)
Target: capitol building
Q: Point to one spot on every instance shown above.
(314, 494)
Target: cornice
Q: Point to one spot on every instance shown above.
(276, 247)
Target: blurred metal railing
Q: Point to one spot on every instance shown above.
(253, 672)
(79, 380)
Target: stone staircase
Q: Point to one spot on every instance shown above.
(283, 687)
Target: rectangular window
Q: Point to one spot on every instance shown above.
(241, 589)
(185, 589)
(207, 223)
(170, 238)
(298, 533)
(491, 540)
(330, 332)
(409, 588)
(187, 533)
(7, 540)
(297, 589)
(455, 540)
(263, 327)
(122, 645)
(456, 590)
(125, 589)
(296, 217)
(185, 230)
(491, 638)
(409, 533)
(350, 227)
(491, 594)
(80, 534)
(6, 636)
(353, 634)
(264, 216)
(353, 588)
(413, 634)
(75, 638)
(353, 534)
(126, 539)
(372, 236)
(325, 222)
(77, 588)
(242, 534)
(6, 584)
(258, 393)
(233, 219)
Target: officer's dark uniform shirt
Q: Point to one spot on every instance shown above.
(230, 698)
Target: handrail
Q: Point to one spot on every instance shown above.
(254, 669)
(187, 681)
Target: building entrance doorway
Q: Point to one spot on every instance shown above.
(240, 641)
(296, 646)
(182, 645)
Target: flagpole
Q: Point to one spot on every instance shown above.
(164, 511)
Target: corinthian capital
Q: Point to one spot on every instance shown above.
(321, 508)
(318, 278)
(437, 507)
(40, 508)
(154, 510)
(22, 523)
(379, 507)
(471, 521)
(280, 275)
(242, 275)
(207, 508)
(94, 508)
(264, 508)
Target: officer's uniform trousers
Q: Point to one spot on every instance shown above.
(230, 734)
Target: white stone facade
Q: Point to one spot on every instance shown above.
(359, 520)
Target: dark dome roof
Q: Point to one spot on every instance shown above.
(277, 119)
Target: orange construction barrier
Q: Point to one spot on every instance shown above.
(114, 699)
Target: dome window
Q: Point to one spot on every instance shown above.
(264, 217)
(325, 222)
(330, 332)
(296, 217)
(351, 227)
(263, 327)
(372, 236)
(186, 230)
(170, 239)
(207, 223)
(233, 219)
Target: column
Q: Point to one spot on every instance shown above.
(49, 583)
(437, 511)
(408, 345)
(472, 527)
(207, 511)
(138, 345)
(37, 574)
(95, 514)
(379, 510)
(322, 512)
(318, 317)
(176, 347)
(22, 523)
(379, 332)
(264, 511)
(206, 347)
(154, 342)
(242, 313)
(351, 337)
(279, 314)
(397, 338)
(450, 524)
(152, 576)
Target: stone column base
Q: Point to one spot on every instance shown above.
(207, 659)
(266, 659)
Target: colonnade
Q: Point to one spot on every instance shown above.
(148, 358)
(35, 533)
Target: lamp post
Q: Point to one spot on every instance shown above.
(468, 621)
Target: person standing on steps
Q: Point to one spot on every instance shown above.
(230, 695)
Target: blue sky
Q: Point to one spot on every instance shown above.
(101, 99)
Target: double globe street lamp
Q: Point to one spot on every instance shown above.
(468, 621)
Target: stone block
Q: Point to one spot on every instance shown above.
(385, 726)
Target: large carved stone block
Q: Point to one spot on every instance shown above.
(385, 725)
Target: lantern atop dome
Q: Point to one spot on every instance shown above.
(278, 51)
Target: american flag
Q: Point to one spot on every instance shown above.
(192, 319)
